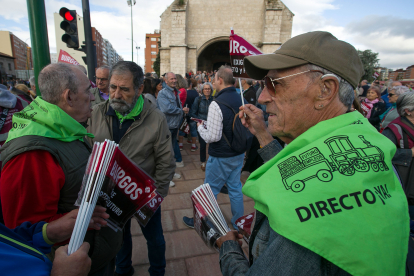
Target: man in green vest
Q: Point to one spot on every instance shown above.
(329, 202)
(45, 156)
(142, 132)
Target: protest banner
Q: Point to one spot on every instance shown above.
(240, 48)
(66, 58)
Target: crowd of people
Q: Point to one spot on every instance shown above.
(331, 162)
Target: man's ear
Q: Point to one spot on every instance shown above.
(329, 88)
(67, 97)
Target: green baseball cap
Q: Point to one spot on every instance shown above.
(319, 48)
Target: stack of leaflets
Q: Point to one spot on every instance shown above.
(117, 183)
(209, 221)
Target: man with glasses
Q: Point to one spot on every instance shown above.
(317, 209)
(101, 92)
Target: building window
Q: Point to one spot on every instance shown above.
(10, 67)
(153, 46)
(153, 59)
(153, 53)
(153, 39)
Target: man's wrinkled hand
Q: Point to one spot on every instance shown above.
(77, 264)
(230, 236)
(61, 229)
(255, 122)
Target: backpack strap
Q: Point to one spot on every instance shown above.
(403, 144)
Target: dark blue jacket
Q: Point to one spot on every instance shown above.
(229, 96)
(200, 107)
(22, 250)
(191, 96)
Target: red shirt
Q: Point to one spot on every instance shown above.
(30, 187)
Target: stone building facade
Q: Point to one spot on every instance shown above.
(195, 33)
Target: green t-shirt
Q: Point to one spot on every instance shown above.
(333, 190)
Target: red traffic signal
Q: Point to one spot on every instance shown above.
(69, 15)
(70, 26)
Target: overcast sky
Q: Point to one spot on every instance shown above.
(383, 26)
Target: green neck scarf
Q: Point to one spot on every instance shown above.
(41, 118)
(134, 112)
(333, 190)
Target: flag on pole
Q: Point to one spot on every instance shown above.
(376, 75)
(240, 48)
(66, 58)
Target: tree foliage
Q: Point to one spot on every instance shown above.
(370, 61)
(157, 62)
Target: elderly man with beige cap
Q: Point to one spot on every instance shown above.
(329, 202)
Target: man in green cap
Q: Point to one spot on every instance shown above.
(329, 202)
(45, 156)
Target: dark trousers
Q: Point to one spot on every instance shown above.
(203, 147)
(176, 148)
(155, 242)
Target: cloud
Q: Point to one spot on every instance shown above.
(389, 25)
(391, 37)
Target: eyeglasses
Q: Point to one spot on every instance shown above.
(102, 79)
(269, 83)
(390, 95)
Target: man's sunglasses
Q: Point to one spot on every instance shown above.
(270, 83)
(102, 79)
(390, 94)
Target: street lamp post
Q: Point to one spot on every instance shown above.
(130, 4)
(137, 53)
(136, 44)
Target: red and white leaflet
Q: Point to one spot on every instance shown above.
(126, 189)
(240, 48)
(66, 58)
(204, 123)
(244, 224)
(145, 213)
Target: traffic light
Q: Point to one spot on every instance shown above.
(70, 26)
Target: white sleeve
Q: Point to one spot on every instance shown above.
(214, 124)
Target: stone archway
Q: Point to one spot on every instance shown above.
(213, 54)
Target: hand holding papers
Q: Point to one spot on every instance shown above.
(121, 186)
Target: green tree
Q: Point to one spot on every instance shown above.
(157, 62)
(370, 61)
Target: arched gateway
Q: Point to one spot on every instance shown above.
(195, 33)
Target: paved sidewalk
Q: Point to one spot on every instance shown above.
(186, 253)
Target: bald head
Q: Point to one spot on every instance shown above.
(171, 79)
(54, 79)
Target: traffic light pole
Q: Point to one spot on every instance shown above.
(90, 53)
(38, 36)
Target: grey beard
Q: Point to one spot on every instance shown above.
(122, 106)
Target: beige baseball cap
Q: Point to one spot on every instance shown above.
(319, 48)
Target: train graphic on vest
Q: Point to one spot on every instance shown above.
(344, 158)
